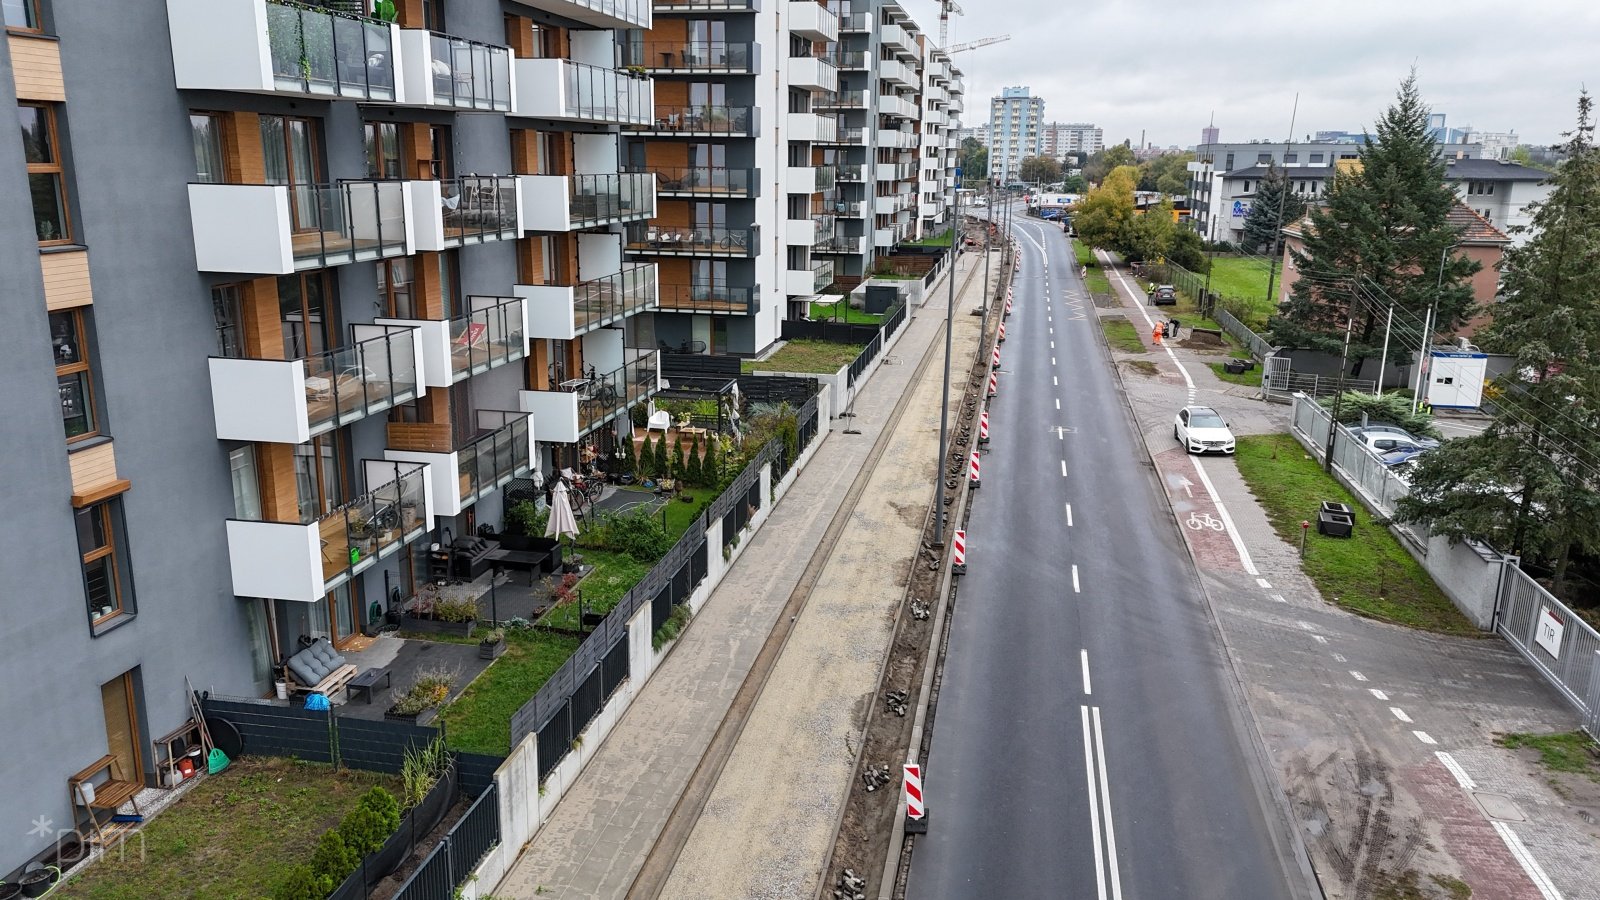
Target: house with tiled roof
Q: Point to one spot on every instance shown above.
(1480, 240)
(1499, 190)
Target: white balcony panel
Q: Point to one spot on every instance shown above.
(546, 200)
(813, 73)
(602, 13)
(555, 414)
(241, 228)
(812, 127)
(444, 482)
(800, 282)
(427, 204)
(551, 310)
(801, 180)
(260, 400)
(220, 46)
(275, 559)
(810, 19)
(432, 341)
(800, 232)
(930, 210)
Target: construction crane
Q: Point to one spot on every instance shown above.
(973, 45)
(946, 7)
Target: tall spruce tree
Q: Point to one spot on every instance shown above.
(1380, 234)
(1528, 484)
(1274, 203)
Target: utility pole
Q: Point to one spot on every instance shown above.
(1277, 230)
(944, 397)
(1211, 221)
(1384, 363)
(1344, 360)
(1427, 330)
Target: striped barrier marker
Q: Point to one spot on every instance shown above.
(972, 471)
(1002, 338)
(994, 383)
(916, 812)
(996, 360)
(958, 553)
(1008, 307)
(983, 427)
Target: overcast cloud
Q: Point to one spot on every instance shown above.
(1164, 65)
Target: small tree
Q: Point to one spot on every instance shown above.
(1274, 204)
(711, 466)
(1039, 170)
(647, 458)
(693, 471)
(1104, 216)
(679, 468)
(629, 463)
(662, 470)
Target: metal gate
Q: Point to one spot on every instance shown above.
(1560, 645)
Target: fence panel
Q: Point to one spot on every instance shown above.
(833, 332)
(1255, 343)
(892, 322)
(554, 738)
(432, 880)
(473, 836)
(615, 668)
(1560, 644)
(475, 771)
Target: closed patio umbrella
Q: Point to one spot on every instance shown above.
(562, 521)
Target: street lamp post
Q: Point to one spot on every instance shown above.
(944, 396)
(1427, 330)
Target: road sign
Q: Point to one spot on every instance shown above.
(1549, 634)
(914, 807)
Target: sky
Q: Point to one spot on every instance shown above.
(1164, 66)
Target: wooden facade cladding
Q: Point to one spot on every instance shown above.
(36, 66)
(66, 280)
(94, 474)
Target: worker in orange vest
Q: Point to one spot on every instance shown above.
(1157, 331)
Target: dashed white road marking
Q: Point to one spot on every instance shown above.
(1357, 675)
(1084, 656)
(1264, 583)
(1058, 403)
(1424, 737)
(1069, 515)
(1306, 626)
(1052, 345)
(1063, 468)
(1400, 714)
(1339, 658)
(1279, 598)
(1052, 360)
(1319, 638)
(1055, 381)
(1377, 693)
(1075, 588)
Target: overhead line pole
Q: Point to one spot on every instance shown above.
(1277, 230)
(944, 397)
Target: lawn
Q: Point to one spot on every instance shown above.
(1568, 751)
(614, 574)
(234, 834)
(1097, 282)
(844, 313)
(819, 357)
(1244, 278)
(1369, 573)
(1122, 335)
(479, 720)
(1249, 377)
(939, 240)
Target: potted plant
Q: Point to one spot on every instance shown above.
(442, 615)
(36, 881)
(492, 644)
(564, 592)
(420, 702)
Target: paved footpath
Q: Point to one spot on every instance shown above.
(598, 836)
(771, 819)
(1381, 736)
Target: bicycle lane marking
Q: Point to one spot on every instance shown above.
(1204, 523)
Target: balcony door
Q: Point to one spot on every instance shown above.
(707, 93)
(708, 164)
(707, 42)
(307, 316)
(117, 702)
(709, 278)
(289, 151)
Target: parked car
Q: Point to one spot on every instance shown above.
(1163, 295)
(1383, 442)
(1384, 428)
(1200, 429)
(1397, 459)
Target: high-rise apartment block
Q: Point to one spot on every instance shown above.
(1062, 138)
(1014, 132)
(317, 289)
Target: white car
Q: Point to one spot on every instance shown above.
(1201, 430)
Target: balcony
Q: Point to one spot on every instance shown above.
(929, 210)
(813, 72)
(667, 240)
(304, 561)
(493, 333)
(578, 92)
(705, 181)
(893, 203)
(290, 401)
(460, 476)
(571, 410)
(458, 212)
(896, 72)
(605, 14)
(800, 232)
(805, 282)
(842, 100)
(694, 57)
(855, 22)
(710, 297)
(894, 105)
(850, 209)
(896, 139)
(812, 127)
(565, 312)
(848, 60)
(442, 70)
(893, 36)
(699, 6)
(853, 246)
(808, 179)
(888, 237)
(852, 173)
(851, 136)
(896, 171)
(575, 202)
(702, 121)
(275, 229)
(261, 46)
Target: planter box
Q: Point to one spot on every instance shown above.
(491, 651)
(409, 622)
(421, 718)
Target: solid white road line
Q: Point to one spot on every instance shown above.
(1227, 522)
(1105, 804)
(1264, 583)
(1400, 714)
(1075, 588)
(1357, 675)
(1084, 656)
(1377, 693)
(1094, 807)
(1525, 859)
(1462, 778)
(1069, 515)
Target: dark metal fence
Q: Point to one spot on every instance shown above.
(451, 862)
(271, 729)
(864, 359)
(835, 332)
(778, 389)
(892, 322)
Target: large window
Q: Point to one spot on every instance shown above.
(21, 15)
(74, 380)
(383, 149)
(106, 582)
(307, 328)
(205, 129)
(46, 178)
(394, 288)
(225, 305)
(246, 483)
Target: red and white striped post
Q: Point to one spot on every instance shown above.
(972, 471)
(983, 428)
(916, 812)
(996, 361)
(1008, 307)
(1002, 338)
(994, 383)
(958, 554)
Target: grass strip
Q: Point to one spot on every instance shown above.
(1122, 335)
(479, 720)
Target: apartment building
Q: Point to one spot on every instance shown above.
(1062, 138)
(314, 288)
(897, 101)
(1014, 132)
(1501, 191)
(734, 141)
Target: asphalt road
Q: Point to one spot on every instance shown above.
(1086, 744)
